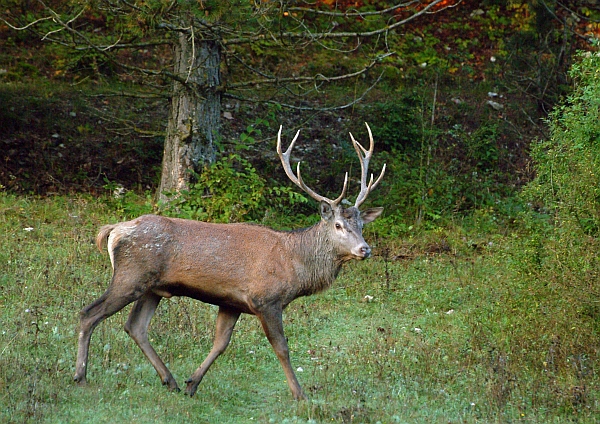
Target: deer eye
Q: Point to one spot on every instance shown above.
(338, 226)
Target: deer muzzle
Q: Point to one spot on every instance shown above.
(362, 251)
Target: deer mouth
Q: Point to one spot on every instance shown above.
(361, 252)
(365, 256)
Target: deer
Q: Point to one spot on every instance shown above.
(240, 267)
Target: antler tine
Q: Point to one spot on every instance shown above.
(372, 186)
(364, 156)
(285, 161)
(341, 197)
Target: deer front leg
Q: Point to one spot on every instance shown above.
(226, 320)
(273, 327)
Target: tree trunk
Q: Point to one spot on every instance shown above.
(194, 118)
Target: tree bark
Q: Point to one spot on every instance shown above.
(194, 118)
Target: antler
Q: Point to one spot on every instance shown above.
(285, 160)
(365, 188)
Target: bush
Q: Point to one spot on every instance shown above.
(556, 254)
(567, 184)
(231, 190)
(399, 122)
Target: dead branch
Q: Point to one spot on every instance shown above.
(311, 36)
(316, 78)
(305, 108)
(355, 12)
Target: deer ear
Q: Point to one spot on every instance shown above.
(370, 215)
(326, 211)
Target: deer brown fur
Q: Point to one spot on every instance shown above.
(242, 268)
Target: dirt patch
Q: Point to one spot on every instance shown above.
(60, 141)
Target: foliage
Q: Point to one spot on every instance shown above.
(59, 140)
(231, 190)
(567, 184)
(419, 193)
(454, 161)
(565, 191)
(463, 158)
(126, 202)
(538, 53)
(398, 122)
(556, 256)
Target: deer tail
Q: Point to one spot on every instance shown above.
(102, 237)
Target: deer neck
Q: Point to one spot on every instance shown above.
(317, 262)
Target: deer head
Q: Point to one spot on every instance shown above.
(344, 225)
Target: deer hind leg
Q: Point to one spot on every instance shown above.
(226, 320)
(273, 327)
(137, 327)
(112, 301)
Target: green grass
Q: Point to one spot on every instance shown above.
(459, 337)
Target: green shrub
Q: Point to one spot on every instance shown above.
(555, 255)
(231, 190)
(567, 165)
(399, 122)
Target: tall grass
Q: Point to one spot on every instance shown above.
(466, 335)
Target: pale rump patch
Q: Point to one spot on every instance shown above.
(114, 238)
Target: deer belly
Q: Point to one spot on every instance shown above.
(213, 295)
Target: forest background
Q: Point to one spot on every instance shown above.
(487, 115)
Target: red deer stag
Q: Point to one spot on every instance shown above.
(239, 267)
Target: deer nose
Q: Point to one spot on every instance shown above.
(365, 251)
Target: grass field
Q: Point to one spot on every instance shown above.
(466, 335)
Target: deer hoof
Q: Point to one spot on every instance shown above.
(171, 385)
(175, 388)
(191, 388)
(81, 381)
(300, 397)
